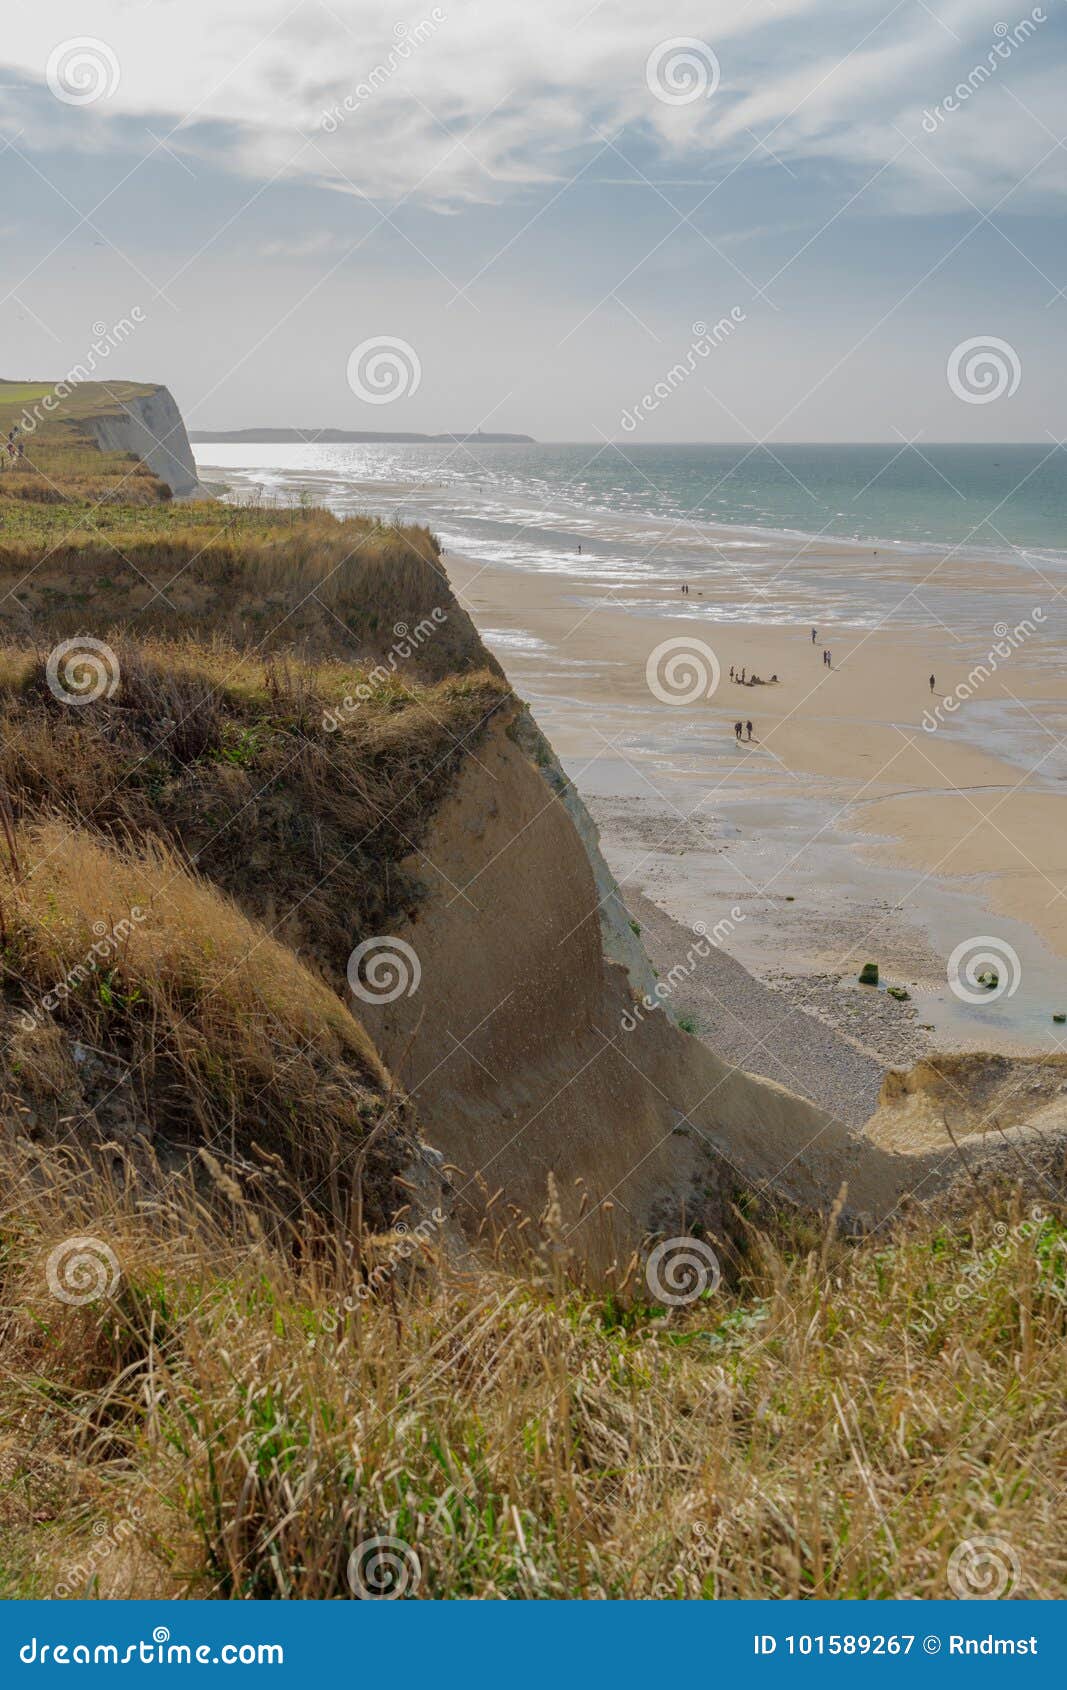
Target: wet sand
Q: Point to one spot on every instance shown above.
(844, 831)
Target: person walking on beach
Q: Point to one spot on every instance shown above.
(814, 635)
(748, 725)
(933, 683)
(737, 730)
(731, 671)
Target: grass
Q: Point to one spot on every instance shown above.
(222, 1018)
(204, 786)
(225, 760)
(96, 546)
(286, 1351)
(60, 463)
(83, 399)
(823, 1426)
(196, 1027)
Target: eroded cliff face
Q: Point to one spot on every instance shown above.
(535, 1065)
(527, 1055)
(151, 427)
(536, 1068)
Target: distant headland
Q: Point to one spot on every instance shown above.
(340, 436)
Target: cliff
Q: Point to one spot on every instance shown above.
(150, 426)
(300, 1258)
(138, 419)
(302, 755)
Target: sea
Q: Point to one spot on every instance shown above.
(758, 520)
(967, 540)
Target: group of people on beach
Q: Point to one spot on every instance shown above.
(745, 680)
(742, 678)
(743, 730)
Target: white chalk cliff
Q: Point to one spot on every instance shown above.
(150, 426)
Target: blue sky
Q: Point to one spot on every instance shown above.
(541, 203)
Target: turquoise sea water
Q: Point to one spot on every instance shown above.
(960, 542)
(707, 513)
(990, 496)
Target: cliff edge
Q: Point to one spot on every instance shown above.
(150, 426)
(379, 915)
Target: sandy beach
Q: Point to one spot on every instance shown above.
(845, 831)
(869, 818)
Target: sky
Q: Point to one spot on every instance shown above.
(523, 217)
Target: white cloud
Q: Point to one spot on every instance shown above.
(314, 245)
(480, 98)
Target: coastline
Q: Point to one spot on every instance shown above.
(553, 497)
(844, 832)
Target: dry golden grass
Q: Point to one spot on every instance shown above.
(52, 473)
(313, 584)
(270, 1378)
(222, 1038)
(228, 760)
(827, 1426)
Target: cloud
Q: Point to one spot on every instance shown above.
(476, 100)
(304, 246)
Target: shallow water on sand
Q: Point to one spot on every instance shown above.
(697, 824)
(867, 534)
